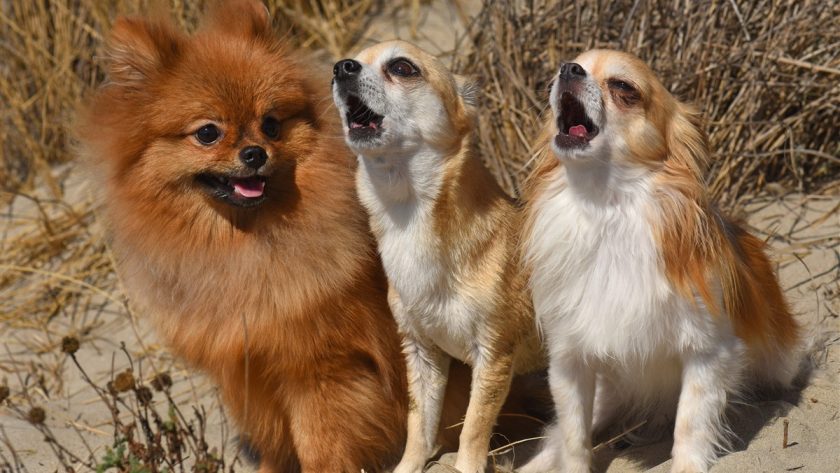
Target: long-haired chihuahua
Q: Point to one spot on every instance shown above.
(447, 234)
(649, 298)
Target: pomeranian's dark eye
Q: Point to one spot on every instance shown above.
(208, 134)
(271, 127)
(403, 68)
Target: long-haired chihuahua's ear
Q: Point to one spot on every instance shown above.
(468, 90)
(136, 48)
(688, 145)
(247, 17)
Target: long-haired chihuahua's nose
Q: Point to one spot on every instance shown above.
(346, 68)
(253, 156)
(571, 70)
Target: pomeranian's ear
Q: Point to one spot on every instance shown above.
(136, 48)
(246, 17)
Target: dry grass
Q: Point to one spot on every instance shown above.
(50, 58)
(766, 74)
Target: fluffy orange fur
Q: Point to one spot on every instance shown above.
(283, 304)
(699, 244)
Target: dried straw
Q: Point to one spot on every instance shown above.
(765, 73)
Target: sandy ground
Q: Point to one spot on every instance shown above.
(804, 231)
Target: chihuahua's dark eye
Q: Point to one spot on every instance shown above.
(621, 85)
(208, 134)
(403, 68)
(624, 91)
(271, 127)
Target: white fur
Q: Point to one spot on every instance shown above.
(399, 195)
(609, 313)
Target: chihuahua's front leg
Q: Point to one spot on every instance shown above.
(707, 378)
(428, 370)
(573, 389)
(490, 385)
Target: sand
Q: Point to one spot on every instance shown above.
(803, 230)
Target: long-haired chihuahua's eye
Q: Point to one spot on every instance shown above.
(624, 91)
(403, 68)
(208, 134)
(271, 127)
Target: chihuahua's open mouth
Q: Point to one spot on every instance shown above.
(239, 191)
(362, 121)
(574, 127)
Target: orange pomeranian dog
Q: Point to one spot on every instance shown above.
(649, 298)
(231, 202)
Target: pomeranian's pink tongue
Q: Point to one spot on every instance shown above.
(249, 187)
(578, 130)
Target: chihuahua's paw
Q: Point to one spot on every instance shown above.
(683, 464)
(691, 459)
(467, 466)
(410, 466)
(543, 462)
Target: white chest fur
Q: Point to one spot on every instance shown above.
(598, 284)
(400, 197)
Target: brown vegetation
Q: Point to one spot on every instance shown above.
(765, 73)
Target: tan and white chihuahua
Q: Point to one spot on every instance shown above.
(649, 298)
(447, 235)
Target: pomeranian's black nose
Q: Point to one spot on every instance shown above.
(346, 68)
(253, 156)
(571, 70)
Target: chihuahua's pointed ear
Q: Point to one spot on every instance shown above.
(137, 48)
(246, 17)
(468, 90)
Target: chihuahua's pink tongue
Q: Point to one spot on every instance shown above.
(249, 187)
(578, 130)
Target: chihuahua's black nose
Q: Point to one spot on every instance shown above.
(346, 68)
(253, 156)
(571, 70)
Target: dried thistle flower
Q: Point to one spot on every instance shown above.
(124, 381)
(69, 345)
(144, 395)
(161, 381)
(36, 416)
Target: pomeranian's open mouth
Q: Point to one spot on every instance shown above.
(574, 127)
(238, 191)
(362, 122)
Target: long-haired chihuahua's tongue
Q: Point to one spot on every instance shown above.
(249, 187)
(578, 130)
